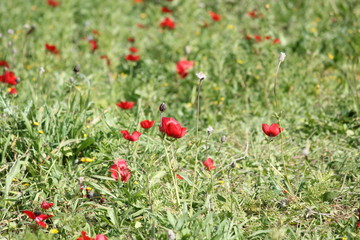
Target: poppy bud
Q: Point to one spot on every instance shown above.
(76, 68)
(17, 80)
(223, 139)
(209, 130)
(37, 213)
(162, 107)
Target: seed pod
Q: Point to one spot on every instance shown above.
(162, 107)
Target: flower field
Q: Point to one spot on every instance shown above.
(179, 119)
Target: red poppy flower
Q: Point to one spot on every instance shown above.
(84, 236)
(125, 105)
(93, 45)
(257, 38)
(131, 39)
(133, 137)
(273, 130)
(46, 205)
(179, 177)
(276, 41)
(172, 128)
(106, 59)
(51, 48)
(138, 1)
(147, 124)
(100, 237)
(252, 14)
(4, 63)
(120, 167)
(166, 10)
(13, 91)
(216, 17)
(267, 37)
(9, 78)
(209, 164)
(168, 23)
(133, 50)
(39, 218)
(182, 67)
(53, 3)
(132, 58)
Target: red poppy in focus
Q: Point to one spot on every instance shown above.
(216, 17)
(147, 124)
(9, 78)
(276, 41)
(172, 128)
(125, 105)
(51, 48)
(84, 236)
(120, 167)
(133, 137)
(13, 91)
(46, 205)
(182, 66)
(209, 164)
(4, 63)
(166, 10)
(131, 39)
(168, 23)
(132, 58)
(179, 177)
(93, 45)
(133, 50)
(39, 218)
(273, 130)
(257, 38)
(106, 59)
(53, 3)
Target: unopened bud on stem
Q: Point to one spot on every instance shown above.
(162, 107)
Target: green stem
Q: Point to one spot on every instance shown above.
(172, 173)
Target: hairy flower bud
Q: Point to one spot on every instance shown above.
(282, 57)
(162, 107)
(76, 68)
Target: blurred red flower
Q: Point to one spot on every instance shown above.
(209, 164)
(120, 167)
(131, 39)
(53, 3)
(182, 66)
(133, 137)
(13, 91)
(273, 130)
(252, 14)
(9, 78)
(276, 41)
(4, 63)
(39, 218)
(51, 48)
(147, 124)
(46, 205)
(168, 23)
(166, 10)
(248, 37)
(133, 50)
(95, 32)
(106, 59)
(267, 37)
(125, 105)
(216, 17)
(132, 58)
(179, 177)
(172, 128)
(93, 44)
(257, 38)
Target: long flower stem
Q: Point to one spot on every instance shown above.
(172, 173)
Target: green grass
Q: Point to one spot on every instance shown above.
(317, 93)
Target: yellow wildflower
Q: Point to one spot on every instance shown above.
(28, 67)
(36, 123)
(240, 61)
(230, 26)
(330, 56)
(143, 15)
(41, 131)
(54, 231)
(89, 188)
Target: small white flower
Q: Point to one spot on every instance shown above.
(1, 35)
(201, 76)
(10, 31)
(282, 57)
(41, 71)
(209, 130)
(171, 235)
